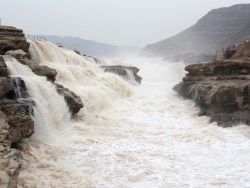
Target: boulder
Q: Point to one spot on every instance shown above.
(124, 71)
(74, 102)
(221, 88)
(44, 71)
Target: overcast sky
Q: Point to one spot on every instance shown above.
(121, 22)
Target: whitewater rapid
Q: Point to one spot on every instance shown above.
(129, 136)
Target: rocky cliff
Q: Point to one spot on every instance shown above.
(221, 88)
(16, 123)
(219, 28)
(16, 109)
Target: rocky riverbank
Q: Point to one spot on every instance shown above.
(16, 123)
(221, 88)
(16, 109)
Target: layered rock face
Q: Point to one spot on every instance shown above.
(16, 123)
(12, 38)
(221, 88)
(16, 110)
(17, 107)
(9, 158)
(123, 71)
(219, 28)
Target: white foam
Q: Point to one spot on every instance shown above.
(152, 139)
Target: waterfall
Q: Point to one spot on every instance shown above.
(50, 112)
(130, 77)
(81, 75)
(153, 138)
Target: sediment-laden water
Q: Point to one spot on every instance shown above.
(126, 136)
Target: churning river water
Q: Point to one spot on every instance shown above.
(126, 136)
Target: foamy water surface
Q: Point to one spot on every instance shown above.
(150, 137)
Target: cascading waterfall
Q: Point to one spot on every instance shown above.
(96, 88)
(50, 112)
(153, 138)
(130, 77)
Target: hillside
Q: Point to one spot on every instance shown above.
(219, 28)
(92, 48)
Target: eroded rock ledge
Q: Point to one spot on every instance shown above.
(123, 71)
(12, 38)
(221, 88)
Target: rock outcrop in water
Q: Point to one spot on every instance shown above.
(123, 71)
(221, 88)
(74, 102)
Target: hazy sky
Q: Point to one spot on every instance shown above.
(121, 22)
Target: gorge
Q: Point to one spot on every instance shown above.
(72, 120)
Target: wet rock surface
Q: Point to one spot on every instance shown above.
(123, 71)
(74, 102)
(22, 58)
(221, 88)
(16, 123)
(17, 108)
(49, 73)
